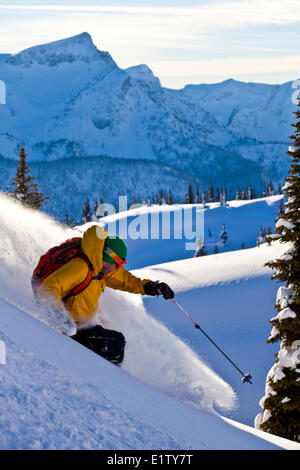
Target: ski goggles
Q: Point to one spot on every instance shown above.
(119, 261)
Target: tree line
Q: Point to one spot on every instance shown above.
(27, 192)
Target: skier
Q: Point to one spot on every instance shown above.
(73, 275)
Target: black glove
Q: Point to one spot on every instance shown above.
(158, 288)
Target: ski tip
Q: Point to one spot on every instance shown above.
(247, 378)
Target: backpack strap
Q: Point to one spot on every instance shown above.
(84, 284)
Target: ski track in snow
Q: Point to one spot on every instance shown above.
(153, 354)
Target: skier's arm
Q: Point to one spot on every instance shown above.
(61, 282)
(121, 279)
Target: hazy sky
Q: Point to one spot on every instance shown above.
(196, 41)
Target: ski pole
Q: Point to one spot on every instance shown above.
(246, 377)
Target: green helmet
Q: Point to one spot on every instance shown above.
(114, 245)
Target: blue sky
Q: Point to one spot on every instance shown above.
(183, 42)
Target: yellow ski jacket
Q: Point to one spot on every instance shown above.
(84, 305)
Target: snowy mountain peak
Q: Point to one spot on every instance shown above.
(144, 73)
(74, 48)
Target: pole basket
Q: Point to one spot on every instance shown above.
(247, 378)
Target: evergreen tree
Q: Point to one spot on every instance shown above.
(261, 236)
(86, 212)
(170, 198)
(189, 197)
(67, 220)
(280, 212)
(223, 196)
(211, 196)
(200, 250)
(238, 193)
(223, 235)
(25, 190)
(198, 199)
(281, 403)
(204, 198)
(251, 193)
(270, 188)
(96, 204)
(160, 198)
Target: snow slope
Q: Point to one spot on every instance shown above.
(242, 218)
(27, 235)
(55, 394)
(164, 396)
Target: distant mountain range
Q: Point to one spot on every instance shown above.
(93, 129)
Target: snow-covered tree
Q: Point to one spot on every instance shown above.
(261, 236)
(270, 188)
(280, 213)
(200, 249)
(223, 235)
(223, 196)
(281, 403)
(251, 194)
(25, 190)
